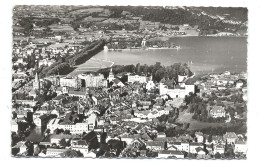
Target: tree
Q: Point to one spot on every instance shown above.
(63, 142)
(210, 138)
(15, 151)
(217, 155)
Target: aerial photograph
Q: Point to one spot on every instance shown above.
(129, 82)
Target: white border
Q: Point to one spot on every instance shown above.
(253, 72)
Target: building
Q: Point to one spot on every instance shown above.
(175, 90)
(161, 135)
(80, 145)
(46, 62)
(55, 80)
(201, 154)
(70, 82)
(51, 152)
(150, 85)
(92, 80)
(131, 78)
(240, 147)
(199, 136)
(194, 146)
(14, 126)
(156, 146)
(111, 76)
(182, 146)
(230, 137)
(117, 82)
(69, 124)
(216, 111)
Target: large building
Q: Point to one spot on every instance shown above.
(69, 124)
(136, 78)
(73, 82)
(92, 80)
(174, 89)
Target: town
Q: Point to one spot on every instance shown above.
(126, 111)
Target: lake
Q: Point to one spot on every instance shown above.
(203, 54)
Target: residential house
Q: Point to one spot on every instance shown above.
(219, 148)
(216, 111)
(230, 137)
(182, 146)
(240, 147)
(155, 145)
(199, 136)
(194, 146)
(201, 154)
(80, 145)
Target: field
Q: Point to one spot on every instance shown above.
(185, 117)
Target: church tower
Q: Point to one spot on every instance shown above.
(36, 83)
(111, 76)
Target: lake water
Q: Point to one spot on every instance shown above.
(207, 54)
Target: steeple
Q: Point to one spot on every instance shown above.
(36, 78)
(111, 72)
(36, 83)
(111, 75)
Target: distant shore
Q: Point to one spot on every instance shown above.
(130, 49)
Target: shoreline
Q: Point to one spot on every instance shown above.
(129, 49)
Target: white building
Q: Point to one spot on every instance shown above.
(46, 62)
(240, 147)
(14, 126)
(91, 80)
(77, 128)
(51, 152)
(199, 136)
(150, 84)
(70, 82)
(182, 146)
(177, 91)
(136, 78)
